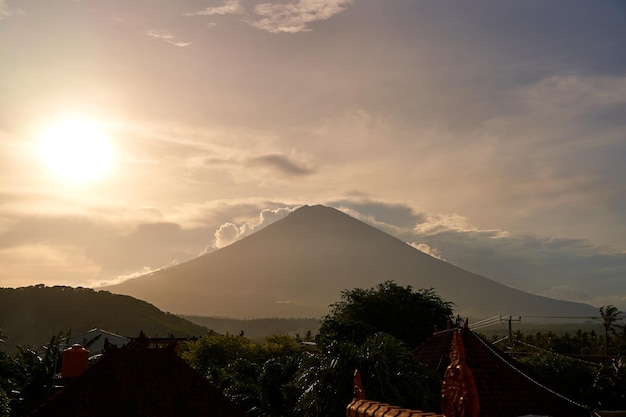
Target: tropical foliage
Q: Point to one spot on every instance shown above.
(408, 315)
(372, 330)
(610, 316)
(586, 366)
(257, 376)
(389, 375)
(280, 377)
(26, 378)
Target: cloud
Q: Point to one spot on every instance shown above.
(229, 7)
(542, 265)
(423, 247)
(282, 163)
(144, 215)
(23, 264)
(111, 244)
(108, 245)
(441, 223)
(124, 277)
(564, 268)
(106, 242)
(381, 213)
(294, 17)
(167, 37)
(146, 270)
(229, 232)
(5, 12)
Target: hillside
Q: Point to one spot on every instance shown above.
(298, 266)
(32, 315)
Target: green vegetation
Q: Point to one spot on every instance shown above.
(288, 375)
(26, 379)
(258, 329)
(32, 315)
(610, 316)
(389, 374)
(408, 315)
(257, 376)
(584, 365)
(592, 340)
(279, 377)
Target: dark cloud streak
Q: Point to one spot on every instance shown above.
(281, 163)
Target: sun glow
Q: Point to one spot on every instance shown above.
(77, 151)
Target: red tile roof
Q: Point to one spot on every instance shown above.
(362, 407)
(366, 408)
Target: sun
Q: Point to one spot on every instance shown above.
(77, 151)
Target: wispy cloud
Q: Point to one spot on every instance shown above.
(229, 7)
(4, 10)
(63, 263)
(282, 163)
(167, 37)
(146, 270)
(441, 223)
(296, 16)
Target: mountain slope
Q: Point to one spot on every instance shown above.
(32, 315)
(299, 265)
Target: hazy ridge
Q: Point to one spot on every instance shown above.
(32, 315)
(257, 329)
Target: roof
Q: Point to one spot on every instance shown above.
(435, 352)
(138, 381)
(366, 408)
(102, 338)
(501, 386)
(362, 407)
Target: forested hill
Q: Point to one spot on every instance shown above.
(32, 315)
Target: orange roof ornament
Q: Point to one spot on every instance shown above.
(359, 391)
(459, 395)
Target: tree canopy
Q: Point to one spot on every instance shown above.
(408, 315)
(389, 372)
(610, 315)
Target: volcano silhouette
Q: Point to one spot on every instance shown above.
(298, 266)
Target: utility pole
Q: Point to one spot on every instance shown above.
(511, 320)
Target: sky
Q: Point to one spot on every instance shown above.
(490, 134)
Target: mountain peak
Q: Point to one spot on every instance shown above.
(316, 210)
(299, 265)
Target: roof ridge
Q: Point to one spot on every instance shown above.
(519, 371)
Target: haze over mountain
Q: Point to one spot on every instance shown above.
(298, 266)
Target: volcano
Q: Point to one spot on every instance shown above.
(298, 266)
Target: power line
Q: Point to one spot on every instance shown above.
(564, 317)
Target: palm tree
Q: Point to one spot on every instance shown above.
(610, 316)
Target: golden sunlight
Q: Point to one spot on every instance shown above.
(77, 151)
